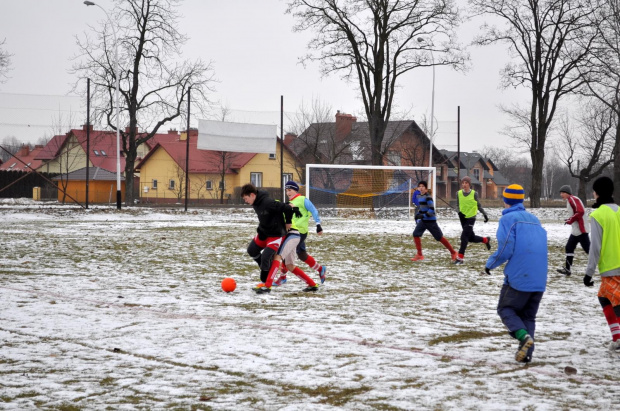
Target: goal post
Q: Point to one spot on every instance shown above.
(377, 188)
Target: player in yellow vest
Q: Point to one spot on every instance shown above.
(605, 253)
(468, 206)
(306, 208)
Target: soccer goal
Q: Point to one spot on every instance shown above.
(376, 189)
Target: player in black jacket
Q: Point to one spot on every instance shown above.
(274, 220)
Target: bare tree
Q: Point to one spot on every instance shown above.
(5, 62)
(603, 69)
(588, 147)
(225, 159)
(317, 140)
(154, 83)
(515, 168)
(10, 144)
(377, 41)
(545, 38)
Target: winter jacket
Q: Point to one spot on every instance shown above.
(272, 215)
(522, 242)
(426, 208)
(576, 219)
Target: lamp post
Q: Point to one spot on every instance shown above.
(430, 158)
(116, 103)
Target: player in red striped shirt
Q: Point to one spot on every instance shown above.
(579, 232)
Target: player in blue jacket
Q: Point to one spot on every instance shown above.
(522, 245)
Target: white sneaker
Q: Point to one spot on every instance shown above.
(615, 347)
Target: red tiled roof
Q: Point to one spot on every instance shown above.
(200, 161)
(28, 159)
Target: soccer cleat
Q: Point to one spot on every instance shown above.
(280, 281)
(615, 347)
(524, 347)
(263, 290)
(458, 261)
(322, 274)
(454, 256)
(311, 288)
(418, 257)
(259, 285)
(488, 243)
(563, 271)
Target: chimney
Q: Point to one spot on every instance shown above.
(344, 124)
(173, 131)
(87, 127)
(288, 138)
(24, 151)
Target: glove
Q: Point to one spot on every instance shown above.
(587, 281)
(296, 212)
(319, 228)
(487, 270)
(418, 221)
(486, 218)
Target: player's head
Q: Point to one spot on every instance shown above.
(565, 192)
(291, 189)
(423, 186)
(466, 183)
(514, 194)
(603, 189)
(248, 193)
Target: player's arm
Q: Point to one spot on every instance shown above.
(578, 210)
(505, 245)
(315, 215)
(484, 213)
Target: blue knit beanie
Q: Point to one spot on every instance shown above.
(291, 184)
(514, 194)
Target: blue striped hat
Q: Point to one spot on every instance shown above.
(514, 194)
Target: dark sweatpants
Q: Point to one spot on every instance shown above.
(468, 235)
(571, 245)
(518, 310)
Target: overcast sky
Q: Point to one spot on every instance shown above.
(255, 56)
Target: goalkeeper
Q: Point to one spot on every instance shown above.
(306, 208)
(426, 219)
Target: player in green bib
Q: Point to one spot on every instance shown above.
(468, 206)
(605, 254)
(307, 209)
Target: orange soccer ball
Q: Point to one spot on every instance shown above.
(229, 285)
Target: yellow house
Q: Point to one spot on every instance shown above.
(214, 176)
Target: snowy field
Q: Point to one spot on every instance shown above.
(102, 309)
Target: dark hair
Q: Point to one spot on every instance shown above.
(424, 183)
(248, 189)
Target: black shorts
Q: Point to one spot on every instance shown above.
(431, 226)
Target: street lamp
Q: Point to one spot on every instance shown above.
(116, 97)
(430, 158)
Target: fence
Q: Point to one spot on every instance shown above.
(19, 184)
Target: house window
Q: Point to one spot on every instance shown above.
(222, 185)
(171, 185)
(12, 165)
(256, 179)
(209, 185)
(477, 173)
(272, 156)
(103, 153)
(285, 178)
(356, 151)
(438, 171)
(96, 153)
(394, 158)
(154, 184)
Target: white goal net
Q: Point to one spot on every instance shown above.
(378, 190)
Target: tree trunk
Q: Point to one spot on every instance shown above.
(376, 126)
(616, 175)
(581, 190)
(538, 160)
(130, 161)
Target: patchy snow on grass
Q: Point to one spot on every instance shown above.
(101, 308)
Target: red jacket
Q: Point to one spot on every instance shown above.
(578, 211)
